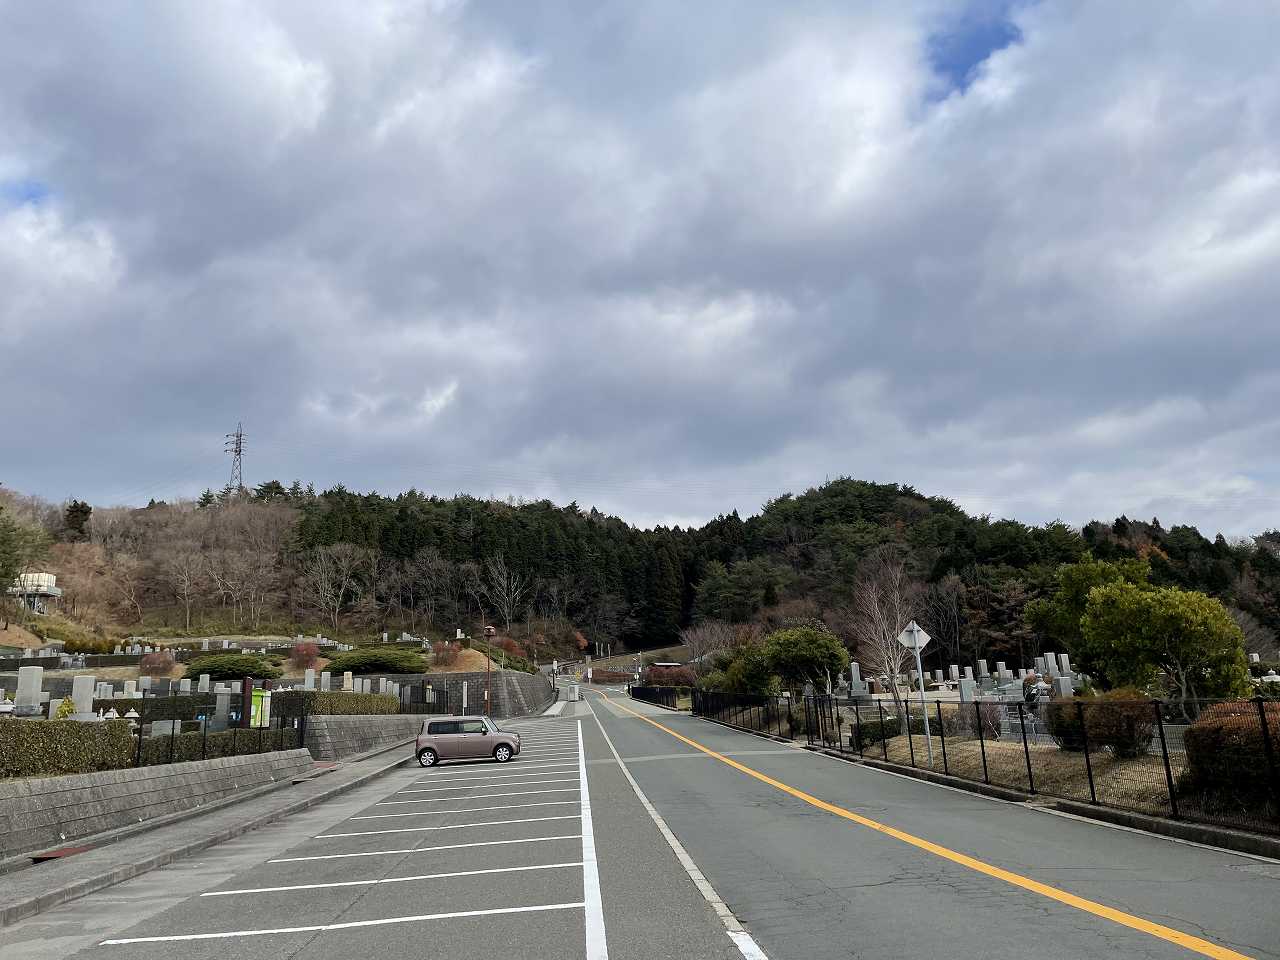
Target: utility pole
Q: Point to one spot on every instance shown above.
(235, 447)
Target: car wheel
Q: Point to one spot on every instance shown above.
(427, 758)
(502, 754)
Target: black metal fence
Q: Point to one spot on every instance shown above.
(423, 698)
(1209, 761)
(668, 697)
(775, 716)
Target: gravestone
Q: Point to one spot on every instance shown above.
(968, 673)
(1000, 668)
(27, 700)
(144, 684)
(1040, 667)
(163, 728)
(118, 650)
(1064, 664)
(226, 644)
(1255, 658)
(237, 686)
(968, 690)
(55, 703)
(204, 644)
(184, 685)
(1051, 664)
(937, 676)
(130, 689)
(309, 679)
(324, 681)
(202, 683)
(954, 672)
(384, 636)
(983, 669)
(82, 697)
(347, 681)
(1063, 687)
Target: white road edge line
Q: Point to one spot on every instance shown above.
(448, 826)
(367, 883)
(448, 846)
(323, 927)
(480, 796)
(745, 944)
(436, 813)
(597, 942)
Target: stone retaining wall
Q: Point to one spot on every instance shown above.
(332, 738)
(47, 812)
(515, 693)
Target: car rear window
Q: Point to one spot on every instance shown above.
(443, 726)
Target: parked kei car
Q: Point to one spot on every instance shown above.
(464, 738)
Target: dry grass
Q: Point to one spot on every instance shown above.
(115, 673)
(469, 661)
(1137, 784)
(16, 636)
(297, 673)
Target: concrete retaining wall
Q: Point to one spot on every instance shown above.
(515, 693)
(332, 738)
(48, 812)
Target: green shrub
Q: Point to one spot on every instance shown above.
(873, 731)
(1122, 720)
(293, 703)
(1226, 750)
(373, 660)
(50, 748)
(222, 667)
(185, 707)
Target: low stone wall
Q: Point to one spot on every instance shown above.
(48, 812)
(332, 738)
(515, 693)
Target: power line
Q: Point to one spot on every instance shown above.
(235, 447)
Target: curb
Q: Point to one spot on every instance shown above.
(20, 910)
(1256, 844)
(941, 779)
(755, 733)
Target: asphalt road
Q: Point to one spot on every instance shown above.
(816, 857)
(811, 884)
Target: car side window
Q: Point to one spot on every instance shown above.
(474, 726)
(441, 727)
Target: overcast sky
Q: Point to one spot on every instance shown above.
(665, 258)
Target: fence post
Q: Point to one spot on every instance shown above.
(234, 731)
(982, 743)
(204, 738)
(1268, 749)
(911, 741)
(942, 733)
(857, 726)
(884, 741)
(1164, 752)
(1088, 764)
(1026, 750)
(137, 759)
(173, 710)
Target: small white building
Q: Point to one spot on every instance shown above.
(37, 591)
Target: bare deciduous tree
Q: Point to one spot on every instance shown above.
(183, 569)
(942, 614)
(328, 577)
(505, 586)
(884, 598)
(704, 639)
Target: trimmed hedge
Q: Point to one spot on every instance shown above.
(224, 743)
(1121, 720)
(182, 707)
(222, 667)
(292, 703)
(50, 748)
(1225, 748)
(370, 660)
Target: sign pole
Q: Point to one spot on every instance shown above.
(914, 639)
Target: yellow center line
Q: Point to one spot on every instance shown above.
(1194, 944)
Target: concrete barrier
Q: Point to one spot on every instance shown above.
(40, 813)
(332, 738)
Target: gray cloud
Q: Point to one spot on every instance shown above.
(667, 260)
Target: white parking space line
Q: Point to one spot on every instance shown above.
(436, 813)
(448, 826)
(521, 764)
(413, 879)
(481, 796)
(517, 783)
(596, 941)
(350, 925)
(498, 776)
(449, 846)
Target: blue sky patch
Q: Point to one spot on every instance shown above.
(965, 41)
(23, 192)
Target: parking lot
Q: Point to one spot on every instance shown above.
(517, 859)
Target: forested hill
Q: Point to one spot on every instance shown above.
(272, 556)
(798, 557)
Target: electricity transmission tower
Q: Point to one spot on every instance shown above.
(235, 447)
